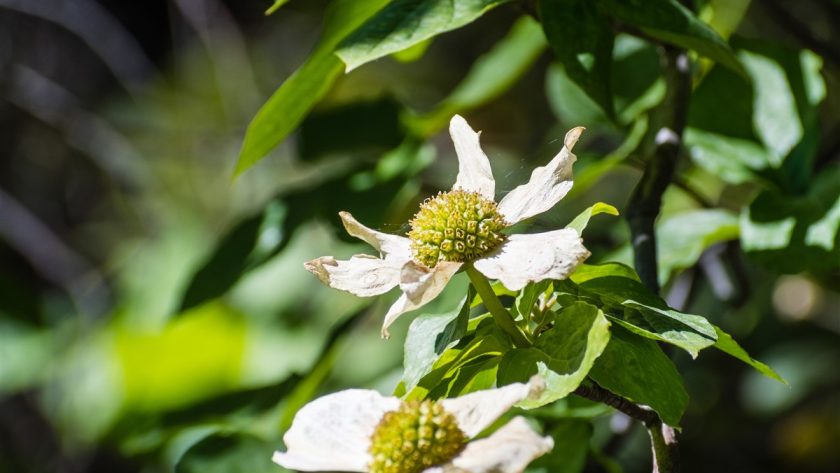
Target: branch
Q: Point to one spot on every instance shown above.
(663, 437)
(646, 200)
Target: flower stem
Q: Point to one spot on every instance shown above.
(494, 305)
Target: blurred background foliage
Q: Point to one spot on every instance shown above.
(154, 313)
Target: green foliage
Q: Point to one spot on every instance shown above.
(582, 39)
(404, 23)
(490, 76)
(637, 369)
(215, 337)
(287, 107)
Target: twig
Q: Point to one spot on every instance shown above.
(646, 200)
(662, 436)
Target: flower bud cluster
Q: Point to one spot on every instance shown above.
(419, 435)
(455, 226)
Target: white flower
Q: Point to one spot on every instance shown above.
(464, 226)
(361, 430)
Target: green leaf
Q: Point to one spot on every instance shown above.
(775, 114)
(404, 23)
(528, 297)
(276, 6)
(227, 453)
(671, 22)
(483, 342)
(491, 75)
(429, 335)
(735, 160)
(637, 369)
(683, 237)
(306, 86)
(794, 233)
(586, 272)
(728, 345)
(580, 222)
(562, 355)
(582, 39)
(630, 304)
(571, 448)
(787, 81)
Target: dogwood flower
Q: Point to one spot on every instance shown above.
(361, 430)
(464, 226)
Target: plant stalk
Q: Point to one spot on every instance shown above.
(495, 307)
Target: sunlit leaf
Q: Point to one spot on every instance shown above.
(562, 355)
(306, 86)
(792, 233)
(775, 115)
(429, 335)
(404, 23)
(683, 237)
(637, 369)
(630, 304)
(580, 222)
(735, 160)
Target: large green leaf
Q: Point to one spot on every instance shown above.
(728, 345)
(669, 21)
(775, 114)
(582, 39)
(788, 90)
(683, 237)
(630, 304)
(306, 86)
(637, 369)
(492, 74)
(404, 23)
(562, 355)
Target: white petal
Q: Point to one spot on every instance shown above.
(332, 433)
(509, 450)
(419, 285)
(476, 411)
(362, 275)
(548, 184)
(474, 172)
(392, 247)
(529, 258)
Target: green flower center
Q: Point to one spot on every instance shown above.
(420, 435)
(455, 226)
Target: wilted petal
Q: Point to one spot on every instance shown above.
(530, 258)
(362, 275)
(332, 433)
(392, 247)
(419, 285)
(474, 172)
(548, 184)
(509, 450)
(476, 411)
